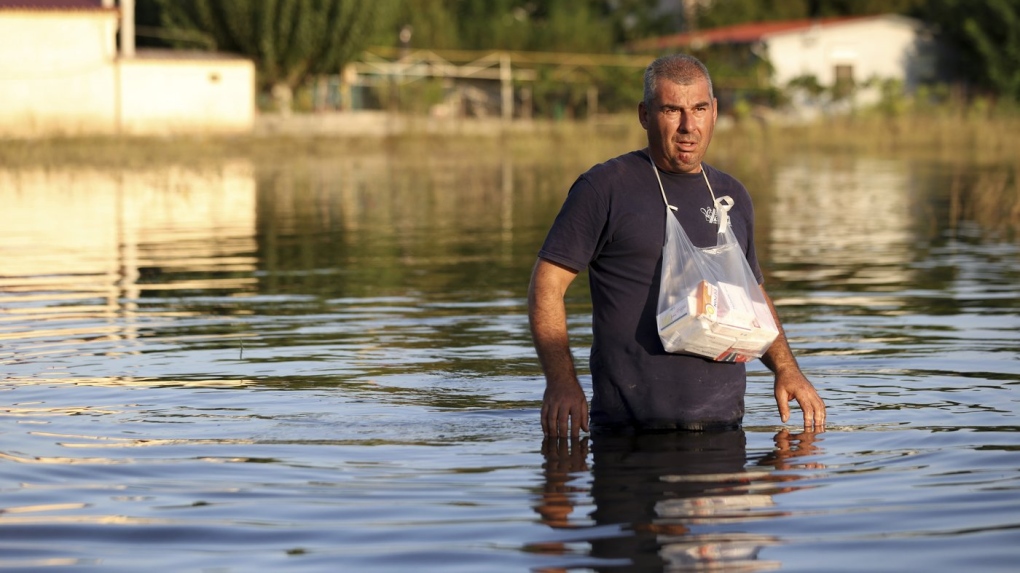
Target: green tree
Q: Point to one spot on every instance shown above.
(729, 12)
(289, 40)
(430, 23)
(495, 24)
(983, 40)
(635, 19)
(831, 8)
(467, 24)
(550, 25)
(996, 38)
(572, 26)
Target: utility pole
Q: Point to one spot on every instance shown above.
(690, 14)
(127, 28)
(507, 87)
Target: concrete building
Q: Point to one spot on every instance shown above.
(851, 50)
(62, 72)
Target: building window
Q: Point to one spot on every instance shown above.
(844, 84)
(844, 73)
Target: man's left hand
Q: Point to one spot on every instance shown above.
(793, 385)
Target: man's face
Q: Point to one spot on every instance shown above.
(679, 121)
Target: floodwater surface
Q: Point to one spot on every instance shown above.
(327, 367)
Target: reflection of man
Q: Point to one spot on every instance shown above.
(788, 448)
(653, 491)
(563, 460)
(613, 224)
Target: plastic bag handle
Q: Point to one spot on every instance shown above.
(722, 208)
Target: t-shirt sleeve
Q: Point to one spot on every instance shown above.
(577, 230)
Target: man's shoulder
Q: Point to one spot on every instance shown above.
(619, 166)
(615, 177)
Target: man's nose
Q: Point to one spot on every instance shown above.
(686, 122)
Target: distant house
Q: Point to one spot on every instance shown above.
(61, 73)
(849, 50)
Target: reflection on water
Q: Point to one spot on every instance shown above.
(648, 492)
(325, 366)
(82, 247)
(858, 214)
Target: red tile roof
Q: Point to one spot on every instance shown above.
(50, 5)
(747, 33)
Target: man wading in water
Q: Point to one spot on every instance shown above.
(612, 224)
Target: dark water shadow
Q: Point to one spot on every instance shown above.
(664, 501)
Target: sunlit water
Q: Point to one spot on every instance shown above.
(327, 367)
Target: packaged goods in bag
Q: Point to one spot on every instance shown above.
(719, 321)
(709, 301)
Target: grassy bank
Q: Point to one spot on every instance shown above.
(986, 140)
(463, 141)
(982, 140)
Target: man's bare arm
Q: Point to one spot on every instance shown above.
(790, 381)
(564, 406)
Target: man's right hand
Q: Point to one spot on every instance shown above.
(564, 409)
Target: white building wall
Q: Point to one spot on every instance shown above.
(57, 72)
(60, 75)
(163, 95)
(883, 47)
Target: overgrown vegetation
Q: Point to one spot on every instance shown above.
(289, 40)
(292, 41)
(976, 133)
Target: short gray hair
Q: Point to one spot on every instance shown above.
(683, 69)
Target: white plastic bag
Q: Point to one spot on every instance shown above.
(709, 301)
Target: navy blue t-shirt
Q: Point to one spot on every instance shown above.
(613, 223)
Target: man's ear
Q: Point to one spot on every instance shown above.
(642, 114)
